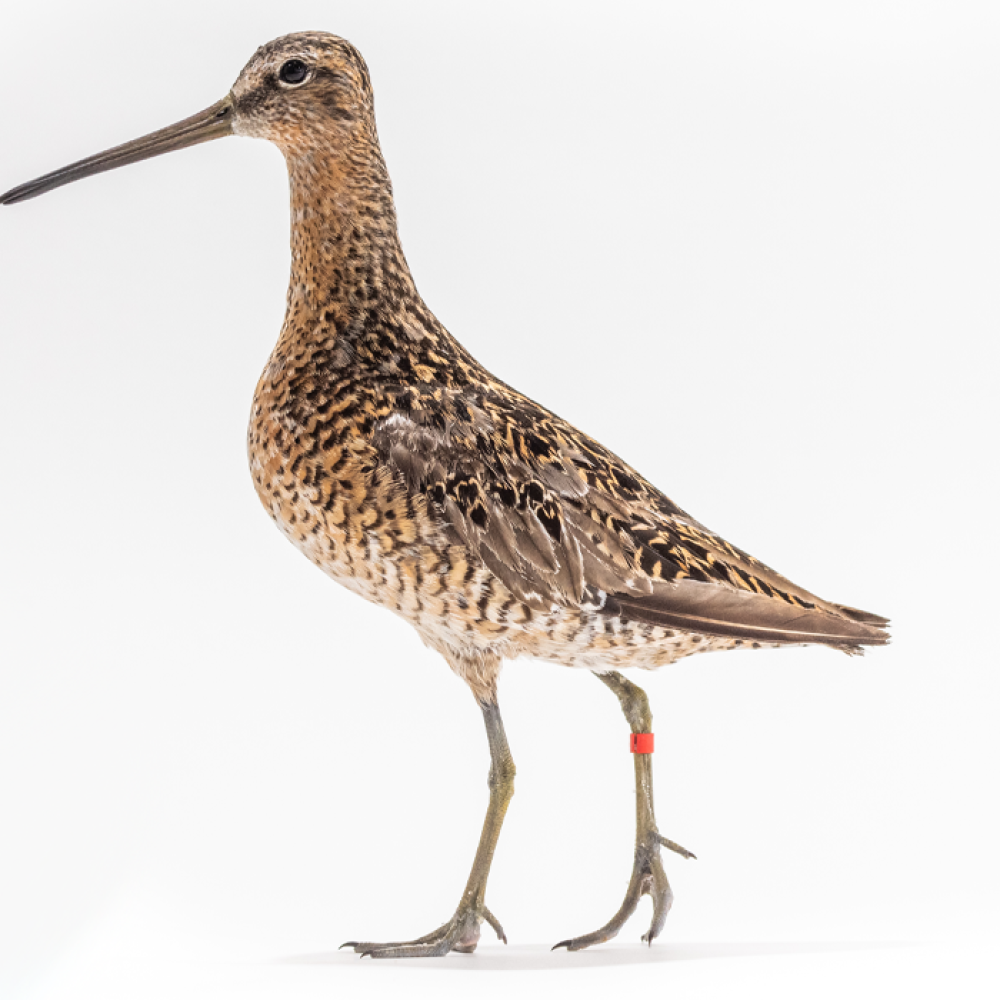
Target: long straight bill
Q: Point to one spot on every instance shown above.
(212, 123)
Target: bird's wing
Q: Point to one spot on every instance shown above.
(563, 521)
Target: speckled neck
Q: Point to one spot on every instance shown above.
(346, 254)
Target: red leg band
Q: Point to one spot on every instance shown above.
(641, 742)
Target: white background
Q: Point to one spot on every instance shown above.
(751, 247)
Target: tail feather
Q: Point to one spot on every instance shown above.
(713, 610)
(864, 617)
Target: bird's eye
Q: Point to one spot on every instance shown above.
(293, 71)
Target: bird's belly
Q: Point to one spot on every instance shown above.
(349, 517)
(329, 519)
(359, 528)
(433, 585)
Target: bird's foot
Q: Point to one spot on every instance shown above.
(461, 933)
(648, 879)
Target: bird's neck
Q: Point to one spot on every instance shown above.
(346, 254)
(351, 299)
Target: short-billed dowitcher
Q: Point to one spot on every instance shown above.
(414, 477)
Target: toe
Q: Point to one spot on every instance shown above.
(495, 924)
(460, 934)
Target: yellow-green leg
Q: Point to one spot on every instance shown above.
(461, 932)
(648, 877)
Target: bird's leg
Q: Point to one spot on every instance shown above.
(461, 932)
(648, 877)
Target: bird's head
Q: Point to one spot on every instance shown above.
(299, 91)
(301, 87)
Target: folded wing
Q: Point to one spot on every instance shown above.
(560, 520)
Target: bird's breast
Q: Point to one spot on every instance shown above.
(321, 479)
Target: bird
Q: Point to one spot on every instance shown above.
(414, 477)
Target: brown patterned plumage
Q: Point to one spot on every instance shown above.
(413, 476)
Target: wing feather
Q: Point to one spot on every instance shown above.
(559, 519)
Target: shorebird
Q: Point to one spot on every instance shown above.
(394, 461)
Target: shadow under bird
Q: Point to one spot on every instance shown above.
(417, 479)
